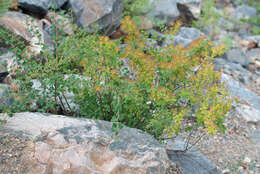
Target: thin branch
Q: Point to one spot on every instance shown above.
(101, 105)
(63, 107)
(192, 145)
(189, 137)
(67, 102)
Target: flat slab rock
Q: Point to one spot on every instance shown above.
(256, 136)
(250, 114)
(58, 144)
(191, 162)
(237, 89)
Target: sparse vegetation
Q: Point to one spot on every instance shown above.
(255, 21)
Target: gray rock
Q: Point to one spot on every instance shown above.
(68, 145)
(159, 37)
(40, 7)
(5, 61)
(6, 98)
(255, 38)
(151, 43)
(250, 114)
(236, 55)
(193, 5)
(20, 24)
(191, 162)
(64, 23)
(70, 98)
(102, 13)
(223, 23)
(126, 70)
(237, 89)
(164, 12)
(184, 37)
(243, 11)
(256, 136)
(233, 69)
(254, 54)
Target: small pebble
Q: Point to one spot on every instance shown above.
(247, 160)
(226, 171)
(240, 170)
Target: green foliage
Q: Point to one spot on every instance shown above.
(136, 7)
(4, 5)
(209, 16)
(2, 121)
(151, 89)
(255, 21)
(161, 94)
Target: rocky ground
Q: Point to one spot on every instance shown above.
(235, 152)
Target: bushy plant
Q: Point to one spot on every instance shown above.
(151, 89)
(147, 88)
(39, 79)
(209, 15)
(132, 7)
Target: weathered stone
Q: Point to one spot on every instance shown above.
(126, 70)
(68, 102)
(164, 12)
(20, 24)
(5, 96)
(143, 23)
(40, 7)
(236, 55)
(78, 146)
(250, 114)
(255, 39)
(6, 61)
(63, 23)
(237, 89)
(223, 23)
(233, 69)
(191, 162)
(256, 136)
(254, 54)
(243, 11)
(159, 37)
(184, 37)
(193, 5)
(102, 13)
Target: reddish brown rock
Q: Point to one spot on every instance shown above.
(20, 25)
(62, 145)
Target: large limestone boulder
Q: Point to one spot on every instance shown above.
(97, 15)
(58, 144)
(21, 25)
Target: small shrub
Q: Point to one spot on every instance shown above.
(147, 88)
(156, 90)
